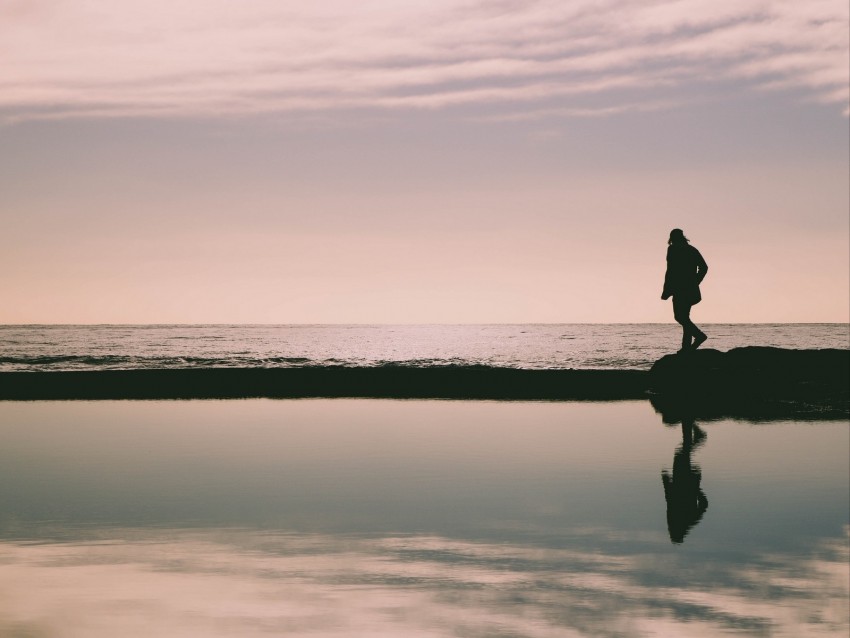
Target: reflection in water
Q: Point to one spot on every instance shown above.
(174, 583)
(686, 502)
(413, 518)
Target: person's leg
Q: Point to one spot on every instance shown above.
(682, 314)
(698, 335)
(687, 433)
(699, 338)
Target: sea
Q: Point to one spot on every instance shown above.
(526, 346)
(438, 519)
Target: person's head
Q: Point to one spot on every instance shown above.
(677, 236)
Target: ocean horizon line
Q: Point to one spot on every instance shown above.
(436, 323)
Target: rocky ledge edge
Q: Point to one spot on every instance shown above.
(752, 382)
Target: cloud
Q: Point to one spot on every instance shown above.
(63, 58)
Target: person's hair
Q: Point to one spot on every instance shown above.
(677, 236)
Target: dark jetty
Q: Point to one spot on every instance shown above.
(391, 381)
(755, 383)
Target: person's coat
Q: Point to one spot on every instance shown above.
(685, 271)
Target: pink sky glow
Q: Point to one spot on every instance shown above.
(450, 161)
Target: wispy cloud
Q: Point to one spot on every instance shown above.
(60, 58)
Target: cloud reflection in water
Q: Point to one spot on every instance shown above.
(227, 582)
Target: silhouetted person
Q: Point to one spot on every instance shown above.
(686, 502)
(685, 271)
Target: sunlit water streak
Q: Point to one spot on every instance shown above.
(634, 346)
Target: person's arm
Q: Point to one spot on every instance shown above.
(666, 292)
(702, 267)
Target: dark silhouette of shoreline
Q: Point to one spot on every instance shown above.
(756, 383)
(447, 382)
(753, 383)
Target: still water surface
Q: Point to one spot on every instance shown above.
(417, 518)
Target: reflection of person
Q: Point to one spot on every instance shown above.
(686, 502)
(685, 271)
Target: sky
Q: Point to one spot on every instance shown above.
(449, 161)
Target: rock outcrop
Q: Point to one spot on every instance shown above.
(753, 382)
